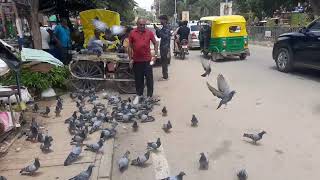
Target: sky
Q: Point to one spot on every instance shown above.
(146, 4)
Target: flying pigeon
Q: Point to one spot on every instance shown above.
(94, 147)
(164, 111)
(207, 68)
(167, 127)
(84, 175)
(224, 92)
(46, 144)
(242, 175)
(177, 177)
(154, 145)
(141, 160)
(204, 162)
(32, 168)
(194, 121)
(123, 162)
(254, 137)
(135, 126)
(73, 155)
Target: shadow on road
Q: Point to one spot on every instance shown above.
(303, 73)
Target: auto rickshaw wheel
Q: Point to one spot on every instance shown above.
(214, 56)
(124, 72)
(243, 56)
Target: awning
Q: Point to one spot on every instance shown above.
(35, 55)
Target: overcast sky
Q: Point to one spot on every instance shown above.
(146, 4)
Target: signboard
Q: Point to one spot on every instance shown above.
(185, 16)
(225, 8)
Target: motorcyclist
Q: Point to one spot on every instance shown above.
(183, 32)
(176, 37)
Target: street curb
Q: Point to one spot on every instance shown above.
(106, 162)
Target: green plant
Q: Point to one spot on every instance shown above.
(40, 81)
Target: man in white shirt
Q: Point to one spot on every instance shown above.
(45, 38)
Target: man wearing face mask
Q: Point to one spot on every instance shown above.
(141, 59)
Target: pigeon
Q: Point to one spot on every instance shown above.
(59, 104)
(107, 133)
(46, 112)
(79, 138)
(164, 111)
(35, 108)
(177, 177)
(141, 160)
(167, 127)
(95, 147)
(83, 111)
(207, 68)
(204, 162)
(73, 96)
(254, 137)
(41, 137)
(3, 178)
(32, 168)
(194, 121)
(73, 155)
(123, 162)
(224, 92)
(46, 144)
(73, 117)
(154, 145)
(242, 175)
(96, 126)
(58, 98)
(33, 134)
(57, 111)
(84, 175)
(135, 126)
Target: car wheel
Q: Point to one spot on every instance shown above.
(243, 56)
(284, 59)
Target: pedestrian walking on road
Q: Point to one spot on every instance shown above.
(141, 59)
(165, 35)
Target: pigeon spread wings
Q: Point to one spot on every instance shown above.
(214, 91)
(223, 85)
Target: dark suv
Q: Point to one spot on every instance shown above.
(298, 49)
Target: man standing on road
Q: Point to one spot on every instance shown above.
(165, 35)
(141, 59)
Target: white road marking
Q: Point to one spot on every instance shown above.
(160, 164)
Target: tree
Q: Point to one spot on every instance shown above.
(140, 12)
(315, 4)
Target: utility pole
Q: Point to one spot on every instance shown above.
(159, 7)
(175, 12)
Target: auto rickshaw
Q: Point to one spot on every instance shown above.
(228, 37)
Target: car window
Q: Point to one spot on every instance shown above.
(234, 29)
(194, 28)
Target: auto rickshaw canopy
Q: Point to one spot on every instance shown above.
(111, 18)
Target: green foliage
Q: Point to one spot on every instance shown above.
(40, 81)
(139, 12)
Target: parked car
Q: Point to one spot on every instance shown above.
(194, 34)
(298, 49)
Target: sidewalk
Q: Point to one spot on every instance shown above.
(23, 152)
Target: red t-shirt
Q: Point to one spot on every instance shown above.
(140, 42)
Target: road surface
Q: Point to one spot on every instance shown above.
(286, 106)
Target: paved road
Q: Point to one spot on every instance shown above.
(286, 106)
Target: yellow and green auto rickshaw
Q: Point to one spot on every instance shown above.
(228, 36)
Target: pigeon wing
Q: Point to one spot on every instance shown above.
(214, 91)
(223, 85)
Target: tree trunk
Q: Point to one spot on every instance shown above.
(315, 4)
(34, 24)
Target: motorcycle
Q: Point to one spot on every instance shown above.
(183, 49)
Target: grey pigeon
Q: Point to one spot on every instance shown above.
(141, 160)
(204, 162)
(3, 178)
(79, 138)
(96, 126)
(254, 137)
(242, 175)
(154, 145)
(32, 168)
(57, 111)
(167, 127)
(46, 112)
(33, 133)
(73, 96)
(84, 175)
(41, 137)
(177, 177)
(45, 147)
(123, 162)
(223, 92)
(73, 155)
(164, 111)
(194, 121)
(107, 133)
(35, 108)
(95, 147)
(72, 118)
(59, 104)
(135, 126)
(207, 68)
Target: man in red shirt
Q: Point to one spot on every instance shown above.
(140, 56)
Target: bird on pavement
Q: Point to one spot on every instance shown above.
(141, 160)
(95, 147)
(135, 126)
(35, 108)
(242, 175)
(73, 117)
(167, 127)
(164, 111)
(57, 111)
(177, 177)
(73, 96)
(123, 162)
(59, 104)
(107, 134)
(46, 112)
(194, 121)
(84, 175)
(45, 147)
(79, 138)
(32, 168)
(154, 145)
(204, 162)
(254, 137)
(3, 178)
(95, 127)
(34, 131)
(207, 68)
(41, 137)
(223, 92)
(73, 155)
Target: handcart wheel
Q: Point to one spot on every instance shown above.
(124, 72)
